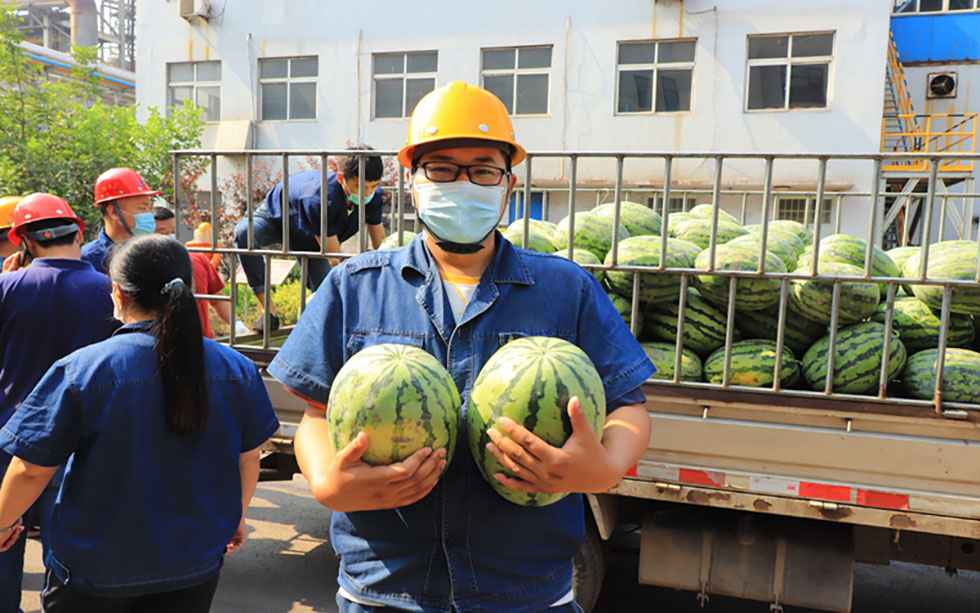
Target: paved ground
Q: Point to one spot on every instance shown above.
(287, 566)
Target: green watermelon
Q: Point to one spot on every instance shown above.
(948, 261)
(698, 231)
(676, 218)
(592, 231)
(706, 211)
(918, 326)
(538, 238)
(584, 256)
(391, 240)
(750, 294)
(625, 308)
(857, 361)
(813, 297)
(784, 235)
(961, 372)
(753, 364)
(799, 332)
(645, 251)
(783, 249)
(400, 396)
(704, 324)
(531, 380)
(638, 220)
(663, 356)
(848, 249)
(900, 255)
(805, 234)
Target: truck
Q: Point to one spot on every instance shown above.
(770, 491)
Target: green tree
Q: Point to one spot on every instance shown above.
(57, 135)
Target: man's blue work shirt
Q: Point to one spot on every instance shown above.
(462, 545)
(304, 206)
(95, 251)
(141, 509)
(47, 310)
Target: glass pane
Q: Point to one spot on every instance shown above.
(960, 5)
(813, 44)
(905, 6)
(210, 99)
(303, 67)
(503, 88)
(274, 101)
(673, 90)
(421, 62)
(534, 57)
(414, 90)
(388, 98)
(209, 71)
(930, 6)
(179, 94)
(636, 53)
(273, 69)
(532, 94)
(302, 100)
(635, 91)
(808, 86)
(681, 51)
(768, 46)
(497, 59)
(392, 63)
(767, 87)
(181, 72)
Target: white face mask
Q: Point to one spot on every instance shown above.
(460, 212)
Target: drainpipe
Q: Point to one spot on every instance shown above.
(84, 23)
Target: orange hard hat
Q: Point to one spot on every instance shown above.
(117, 183)
(39, 207)
(464, 113)
(7, 204)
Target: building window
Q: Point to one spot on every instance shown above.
(796, 208)
(805, 58)
(677, 205)
(654, 76)
(400, 81)
(519, 76)
(199, 82)
(287, 88)
(934, 6)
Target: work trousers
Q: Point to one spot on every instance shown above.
(60, 598)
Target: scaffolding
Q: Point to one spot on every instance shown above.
(48, 23)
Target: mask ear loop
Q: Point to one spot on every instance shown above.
(122, 218)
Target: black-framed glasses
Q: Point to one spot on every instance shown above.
(445, 172)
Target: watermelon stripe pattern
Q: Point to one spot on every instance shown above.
(750, 294)
(593, 232)
(531, 380)
(798, 334)
(753, 364)
(961, 375)
(813, 298)
(857, 359)
(847, 249)
(663, 356)
(704, 324)
(636, 218)
(918, 326)
(400, 396)
(645, 251)
(698, 231)
(951, 261)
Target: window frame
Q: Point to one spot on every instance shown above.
(287, 81)
(827, 211)
(654, 67)
(403, 76)
(517, 71)
(194, 84)
(789, 62)
(687, 202)
(945, 10)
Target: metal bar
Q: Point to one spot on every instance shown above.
(304, 277)
(635, 306)
(941, 356)
(942, 216)
(766, 198)
(618, 203)
(572, 179)
(665, 212)
(285, 202)
(249, 205)
(324, 173)
(821, 181)
(679, 337)
(745, 205)
(832, 349)
(927, 232)
(716, 206)
(729, 333)
(777, 374)
(233, 294)
(400, 204)
(214, 200)
(526, 202)
(873, 236)
(176, 171)
(362, 238)
(266, 300)
(837, 202)
(886, 345)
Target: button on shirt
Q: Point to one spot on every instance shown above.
(141, 509)
(462, 545)
(305, 206)
(95, 251)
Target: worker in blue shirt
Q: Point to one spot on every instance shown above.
(408, 539)
(305, 209)
(124, 198)
(163, 430)
(47, 310)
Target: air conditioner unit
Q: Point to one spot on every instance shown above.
(941, 85)
(194, 8)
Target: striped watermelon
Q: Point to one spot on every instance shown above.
(391, 241)
(400, 396)
(961, 372)
(750, 294)
(753, 364)
(662, 355)
(676, 218)
(645, 251)
(900, 255)
(584, 256)
(698, 231)
(638, 220)
(784, 235)
(706, 211)
(857, 361)
(783, 249)
(918, 326)
(625, 309)
(805, 234)
(799, 332)
(950, 261)
(538, 237)
(531, 380)
(848, 249)
(593, 232)
(813, 297)
(704, 324)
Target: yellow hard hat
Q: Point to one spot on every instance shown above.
(464, 113)
(203, 233)
(7, 204)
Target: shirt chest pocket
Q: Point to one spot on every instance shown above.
(360, 339)
(505, 337)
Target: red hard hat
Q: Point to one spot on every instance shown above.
(117, 183)
(38, 207)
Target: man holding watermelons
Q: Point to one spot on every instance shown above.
(427, 533)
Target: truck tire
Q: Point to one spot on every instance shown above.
(589, 567)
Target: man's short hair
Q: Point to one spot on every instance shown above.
(374, 169)
(47, 224)
(162, 213)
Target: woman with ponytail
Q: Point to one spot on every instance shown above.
(160, 429)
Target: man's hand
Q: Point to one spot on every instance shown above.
(7, 539)
(238, 539)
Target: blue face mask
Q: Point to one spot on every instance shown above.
(143, 223)
(356, 199)
(460, 212)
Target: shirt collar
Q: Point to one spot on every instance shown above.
(62, 263)
(135, 326)
(104, 238)
(507, 265)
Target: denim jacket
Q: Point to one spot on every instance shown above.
(141, 509)
(462, 546)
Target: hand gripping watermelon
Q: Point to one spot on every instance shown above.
(531, 380)
(401, 397)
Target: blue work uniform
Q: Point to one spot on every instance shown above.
(142, 509)
(463, 545)
(47, 310)
(304, 223)
(96, 251)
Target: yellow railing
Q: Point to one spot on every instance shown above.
(937, 133)
(898, 81)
